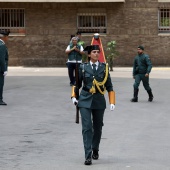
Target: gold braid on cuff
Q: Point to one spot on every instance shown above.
(112, 97)
(73, 94)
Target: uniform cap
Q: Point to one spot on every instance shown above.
(141, 47)
(91, 47)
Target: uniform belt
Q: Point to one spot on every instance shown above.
(86, 89)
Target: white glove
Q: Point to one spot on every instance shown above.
(112, 107)
(74, 100)
(5, 73)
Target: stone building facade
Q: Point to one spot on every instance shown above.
(48, 26)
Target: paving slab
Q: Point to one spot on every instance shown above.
(38, 129)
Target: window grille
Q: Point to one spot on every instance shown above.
(13, 20)
(164, 20)
(91, 22)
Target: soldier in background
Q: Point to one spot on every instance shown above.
(141, 68)
(3, 62)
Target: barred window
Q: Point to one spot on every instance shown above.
(164, 20)
(91, 22)
(13, 20)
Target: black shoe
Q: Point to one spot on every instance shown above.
(2, 103)
(150, 99)
(134, 100)
(88, 161)
(95, 155)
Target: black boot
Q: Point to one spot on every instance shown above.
(95, 154)
(150, 95)
(135, 98)
(88, 161)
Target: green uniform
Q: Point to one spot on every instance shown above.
(92, 106)
(142, 65)
(3, 65)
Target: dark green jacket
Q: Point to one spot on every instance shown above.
(142, 64)
(86, 77)
(3, 57)
(74, 55)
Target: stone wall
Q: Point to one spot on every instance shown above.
(49, 26)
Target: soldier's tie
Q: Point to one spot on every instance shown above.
(94, 68)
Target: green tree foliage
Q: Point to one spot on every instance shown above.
(111, 53)
(84, 56)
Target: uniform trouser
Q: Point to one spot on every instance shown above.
(71, 71)
(1, 86)
(92, 122)
(145, 81)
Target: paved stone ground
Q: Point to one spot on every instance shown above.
(37, 129)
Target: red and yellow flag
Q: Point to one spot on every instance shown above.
(98, 41)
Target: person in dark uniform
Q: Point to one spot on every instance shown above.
(3, 61)
(141, 68)
(94, 78)
(78, 35)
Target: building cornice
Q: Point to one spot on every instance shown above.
(62, 1)
(163, 0)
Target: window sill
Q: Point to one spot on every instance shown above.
(17, 35)
(163, 34)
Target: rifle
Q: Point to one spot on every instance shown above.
(77, 89)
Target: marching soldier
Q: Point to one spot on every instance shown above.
(3, 61)
(141, 68)
(94, 78)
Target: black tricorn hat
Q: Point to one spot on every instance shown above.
(4, 32)
(141, 47)
(91, 47)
